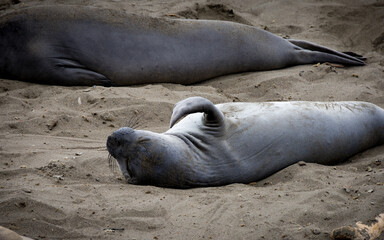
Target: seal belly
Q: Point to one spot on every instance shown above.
(271, 136)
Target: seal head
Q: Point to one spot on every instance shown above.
(145, 157)
(120, 144)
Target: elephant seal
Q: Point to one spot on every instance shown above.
(7, 234)
(244, 142)
(73, 45)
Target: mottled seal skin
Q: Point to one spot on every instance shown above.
(244, 142)
(73, 45)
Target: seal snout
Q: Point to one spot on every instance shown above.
(111, 142)
(119, 139)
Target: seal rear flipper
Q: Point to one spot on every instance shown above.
(212, 115)
(358, 56)
(324, 54)
(307, 56)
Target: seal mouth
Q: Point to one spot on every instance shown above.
(113, 163)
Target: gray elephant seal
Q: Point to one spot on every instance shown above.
(244, 142)
(7, 234)
(72, 45)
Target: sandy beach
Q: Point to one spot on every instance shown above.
(55, 181)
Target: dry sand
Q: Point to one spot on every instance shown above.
(55, 182)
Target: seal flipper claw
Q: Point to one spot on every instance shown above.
(212, 115)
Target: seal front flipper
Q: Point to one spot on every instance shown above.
(70, 72)
(312, 53)
(213, 117)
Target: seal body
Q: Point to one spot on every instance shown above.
(72, 45)
(244, 142)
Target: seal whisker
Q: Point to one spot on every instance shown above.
(112, 163)
(130, 122)
(135, 121)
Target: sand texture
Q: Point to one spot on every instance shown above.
(55, 182)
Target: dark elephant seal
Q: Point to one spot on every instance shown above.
(244, 142)
(72, 45)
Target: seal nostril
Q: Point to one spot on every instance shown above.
(111, 141)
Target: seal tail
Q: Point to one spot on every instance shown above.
(313, 53)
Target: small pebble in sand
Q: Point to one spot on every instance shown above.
(347, 190)
(59, 177)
